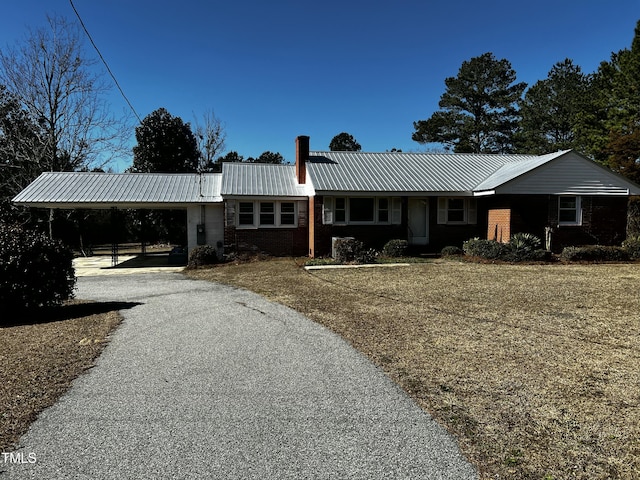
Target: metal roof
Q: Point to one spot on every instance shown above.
(125, 190)
(260, 179)
(405, 172)
(511, 170)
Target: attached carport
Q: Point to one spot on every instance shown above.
(198, 194)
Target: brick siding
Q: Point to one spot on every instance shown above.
(274, 241)
(499, 224)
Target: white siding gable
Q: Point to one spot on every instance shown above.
(570, 174)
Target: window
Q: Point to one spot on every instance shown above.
(569, 212)
(267, 213)
(361, 209)
(270, 214)
(457, 211)
(245, 216)
(287, 213)
(383, 210)
(341, 209)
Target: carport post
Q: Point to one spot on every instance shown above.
(114, 238)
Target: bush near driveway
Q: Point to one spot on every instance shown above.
(35, 271)
(202, 255)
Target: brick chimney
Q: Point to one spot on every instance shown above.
(302, 155)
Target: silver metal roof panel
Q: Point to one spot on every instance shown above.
(260, 179)
(93, 190)
(404, 172)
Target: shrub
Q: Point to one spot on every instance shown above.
(594, 253)
(350, 250)
(490, 249)
(521, 247)
(632, 247)
(395, 248)
(525, 242)
(35, 271)
(524, 246)
(202, 255)
(451, 251)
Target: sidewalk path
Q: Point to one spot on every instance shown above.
(207, 381)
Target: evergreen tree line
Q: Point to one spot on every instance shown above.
(485, 110)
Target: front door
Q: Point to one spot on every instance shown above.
(418, 221)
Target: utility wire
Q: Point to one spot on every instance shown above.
(104, 62)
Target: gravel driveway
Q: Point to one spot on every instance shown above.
(207, 381)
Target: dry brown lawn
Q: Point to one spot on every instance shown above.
(41, 353)
(534, 368)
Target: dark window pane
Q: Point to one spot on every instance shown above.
(267, 213)
(456, 204)
(455, 216)
(287, 219)
(361, 209)
(568, 202)
(568, 216)
(287, 207)
(287, 213)
(340, 210)
(245, 216)
(383, 209)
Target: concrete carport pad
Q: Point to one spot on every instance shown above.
(207, 381)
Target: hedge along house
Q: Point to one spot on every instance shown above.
(431, 200)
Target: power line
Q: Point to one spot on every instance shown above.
(104, 62)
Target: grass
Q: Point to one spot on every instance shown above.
(534, 368)
(42, 352)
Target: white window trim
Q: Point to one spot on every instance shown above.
(469, 216)
(578, 209)
(394, 209)
(238, 213)
(277, 214)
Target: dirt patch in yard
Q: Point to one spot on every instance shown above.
(41, 353)
(534, 368)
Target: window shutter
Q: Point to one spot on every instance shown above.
(442, 210)
(396, 210)
(302, 214)
(472, 211)
(327, 211)
(230, 217)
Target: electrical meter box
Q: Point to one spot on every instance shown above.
(201, 237)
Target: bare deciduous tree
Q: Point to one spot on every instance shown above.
(61, 92)
(211, 137)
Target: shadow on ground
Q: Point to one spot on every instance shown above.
(76, 309)
(154, 260)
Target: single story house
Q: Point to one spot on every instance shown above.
(431, 200)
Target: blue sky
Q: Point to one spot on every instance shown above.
(275, 70)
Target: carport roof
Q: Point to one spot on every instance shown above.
(131, 190)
